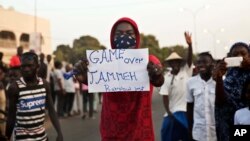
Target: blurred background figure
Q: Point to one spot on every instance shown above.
(2, 102)
(77, 104)
(15, 60)
(88, 98)
(2, 64)
(70, 90)
(59, 88)
(42, 71)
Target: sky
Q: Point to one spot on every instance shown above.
(218, 23)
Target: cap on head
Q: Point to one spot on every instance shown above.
(173, 56)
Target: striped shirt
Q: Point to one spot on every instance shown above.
(30, 114)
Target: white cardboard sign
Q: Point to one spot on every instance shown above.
(115, 70)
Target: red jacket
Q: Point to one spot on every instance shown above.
(127, 116)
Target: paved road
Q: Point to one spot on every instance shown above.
(77, 129)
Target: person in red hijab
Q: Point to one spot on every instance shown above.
(127, 116)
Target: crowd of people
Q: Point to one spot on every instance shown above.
(68, 96)
(202, 99)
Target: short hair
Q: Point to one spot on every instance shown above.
(19, 48)
(206, 54)
(30, 56)
(57, 64)
(236, 45)
(49, 55)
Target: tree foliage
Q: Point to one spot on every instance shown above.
(150, 42)
(63, 53)
(80, 45)
(78, 51)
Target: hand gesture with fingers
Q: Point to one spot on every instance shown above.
(188, 37)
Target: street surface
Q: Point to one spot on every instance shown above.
(77, 129)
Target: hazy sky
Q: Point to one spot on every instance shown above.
(163, 18)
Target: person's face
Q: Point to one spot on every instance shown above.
(175, 65)
(42, 57)
(48, 58)
(124, 28)
(29, 68)
(20, 51)
(204, 65)
(239, 51)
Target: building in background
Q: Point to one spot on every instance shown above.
(17, 28)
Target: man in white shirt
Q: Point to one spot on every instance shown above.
(49, 67)
(174, 126)
(69, 87)
(59, 87)
(201, 98)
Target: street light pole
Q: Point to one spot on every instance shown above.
(214, 34)
(194, 14)
(195, 34)
(35, 16)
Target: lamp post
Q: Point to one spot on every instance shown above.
(214, 35)
(194, 14)
(35, 16)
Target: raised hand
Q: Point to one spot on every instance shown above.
(219, 70)
(188, 37)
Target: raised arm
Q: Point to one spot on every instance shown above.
(12, 95)
(52, 113)
(219, 70)
(188, 38)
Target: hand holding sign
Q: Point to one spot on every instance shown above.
(154, 70)
(118, 70)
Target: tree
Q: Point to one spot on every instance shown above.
(81, 45)
(86, 41)
(63, 53)
(78, 51)
(150, 42)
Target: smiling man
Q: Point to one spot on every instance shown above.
(201, 100)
